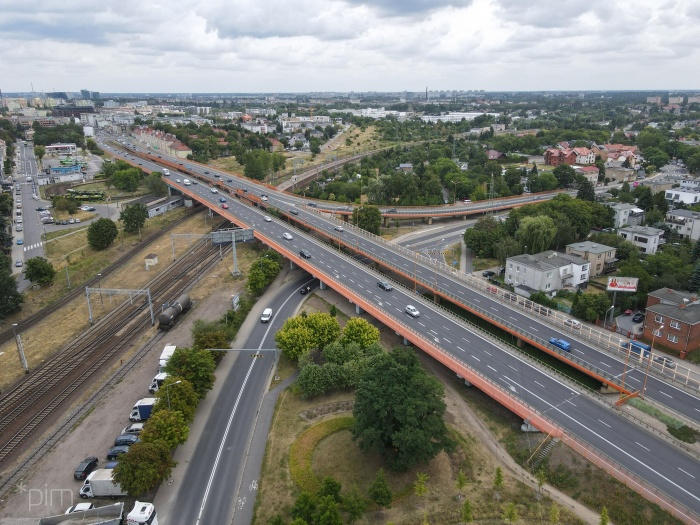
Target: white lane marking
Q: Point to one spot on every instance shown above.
(577, 350)
(684, 472)
(465, 340)
(604, 423)
(645, 448)
(570, 402)
(477, 300)
(445, 339)
(605, 364)
(419, 323)
(492, 368)
(462, 349)
(540, 384)
(639, 381)
(512, 367)
(476, 358)
(445, 327)
(460, 291)
(513, 318)
(535, 329)
(664, 393)
(494, 309)
(610, 443)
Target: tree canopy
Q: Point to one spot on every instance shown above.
(38, 270)
(101, 234)
(134, 217)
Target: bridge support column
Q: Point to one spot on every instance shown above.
(464, 217)
(358, 310)
(607, 389)
(386, 222)
(346, 218)
(467, 383)
(406, 342)
(430, 221)
(292, 266)
(322, 285)
(527, 427)
(519, 343)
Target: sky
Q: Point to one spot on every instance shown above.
(233, 46)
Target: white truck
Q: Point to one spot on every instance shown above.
(165, 355)
(157, 382)
(100, 484)
(142, 409)
(142, 513)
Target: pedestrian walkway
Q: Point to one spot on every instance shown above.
(30, 247)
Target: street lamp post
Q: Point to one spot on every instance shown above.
(651, 352)
(167, 392)
(99, 285)
(605, 319)
(20, 350)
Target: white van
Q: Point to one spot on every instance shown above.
(187, 182)
(266, 315)
(166, 172)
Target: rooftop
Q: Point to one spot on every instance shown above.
(548, 260)
(590, 247)
(676, 297)
(689, 314)
(642, 230)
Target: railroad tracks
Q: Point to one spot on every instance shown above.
(41, 399)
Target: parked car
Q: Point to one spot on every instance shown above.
(134, 428)
(572, 323)
(488, 274)
(385, 286)
(79, 507)
(115, 452)
(638, 318)
(20, 241)
(85, 467)
(19, 263)
(412, 310)
(665, 361)
(126, 439)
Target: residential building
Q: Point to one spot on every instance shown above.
(547, 271)
(622, 212)
(646, 238)
(159, 140)
(693, 100)
(601, 257)
(684, 195)
(685, 223)
(492, 154)
(672, 320)
(584, 156)
(653, 100)
(590, 172)
(636, 217)
(676, 100)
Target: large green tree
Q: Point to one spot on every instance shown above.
(144, 467)
(101, 234)
(399, 411)
(536, 234)
(368, 218)
(262, 272)
(10, 298)
(197, 366)
(166, 426)
(586, 191)
(38, 270)
(359, 331)
(178, 395)
(134, 217)
(294, 338)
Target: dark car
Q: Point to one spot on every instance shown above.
(488, 274)
(305, 254)
(206, 172)
(222, 199)
(385, 286)
(229, 180)
(638, 318)
(305, 290)
(85, 467)
(392, 210)
(312, 205)
(294, 212)
(126, 439)
(41, 208)
(64, 222)
(115, 452)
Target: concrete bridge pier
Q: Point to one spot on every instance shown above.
(358, 310)
(292, 266)
(527, 427)
(467, 383)
(322, 285)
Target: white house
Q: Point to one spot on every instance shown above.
(547, 271)
(646, 238)
(622, 213)
(685, 223)
(584, 156)
(684, 195)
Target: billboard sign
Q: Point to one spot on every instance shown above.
(622, 284)
(225, 236)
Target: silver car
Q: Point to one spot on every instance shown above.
(412, 310)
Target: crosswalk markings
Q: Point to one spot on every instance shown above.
(33, 246)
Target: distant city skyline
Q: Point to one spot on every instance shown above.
(350, 45)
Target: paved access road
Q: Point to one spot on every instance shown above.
(215, 469)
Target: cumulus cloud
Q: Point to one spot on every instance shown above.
(277, 46)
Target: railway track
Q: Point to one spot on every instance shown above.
(36, 402)
(33, 319)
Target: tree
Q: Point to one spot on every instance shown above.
(419, 487)
(565, 175)
(541, 477)
(39, 152)
(510, 514)
(695, 253)
(498, 479)
(10, 298)
(328, 512)
(262, 272)
(399, 410)
(304, 507)
(359, 331)
(180, 397)
(39, 271)
(330, 487)
(144, 467)
(536, 234)
(134, 217)
(197, 366)
(461, 481)
(101, 234)
(167, 427)
(586, 191)
(379, 491)
(694, 283)
(313, 381)
(324, 329)
(354, 504)
(294, 338)
(604, 519)
(467, 513)
(367, 218)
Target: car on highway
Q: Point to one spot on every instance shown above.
(561, 343)
(412, 310)
(572, 323)
(115, 452)
(229, 180)
(267, 219)
(385, 286)
(339, 229)
(488, 274)
(312, 205)
(266, 315)
(305, 254)
(222, 199)
(305, 290)
(20, 241)
(206, 172)
(87, 208)
(263, 197)
(392, 210)
(85, 467)
(80, 507)
(214, 190)
(294, 212)
(287, 236)
(224, 206)
(177, 180)
(638, 317)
